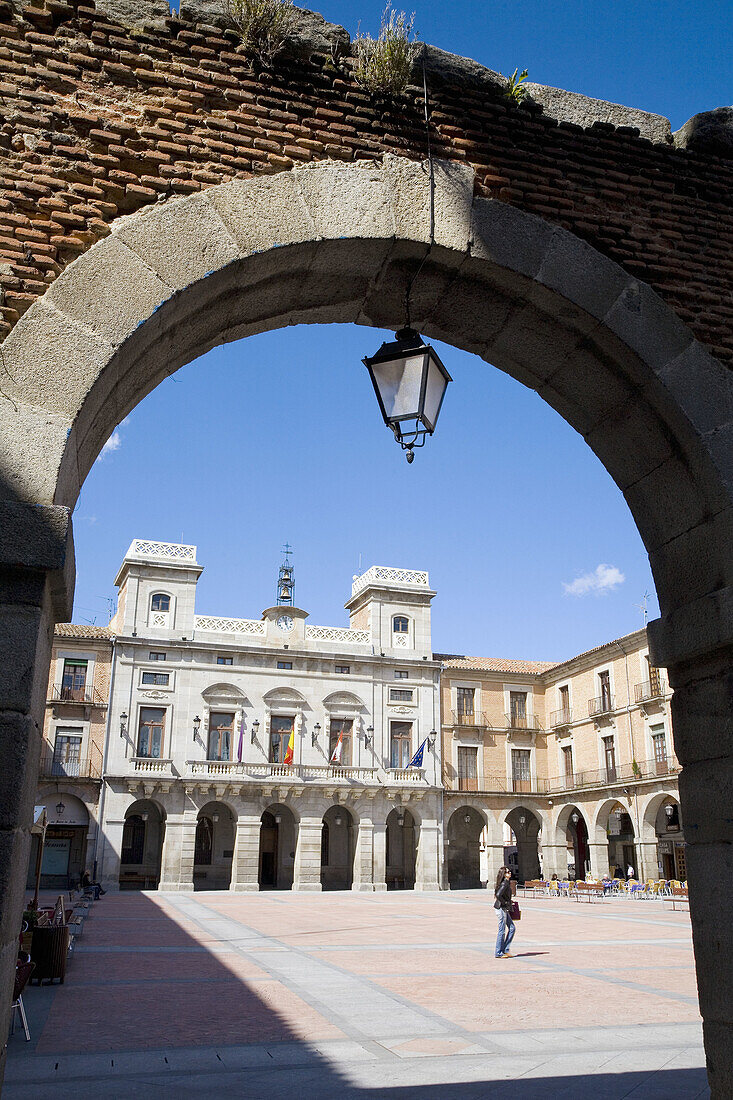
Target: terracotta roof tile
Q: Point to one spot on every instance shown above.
(82, 630)
(492, 664)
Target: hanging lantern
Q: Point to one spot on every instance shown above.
(410, 383)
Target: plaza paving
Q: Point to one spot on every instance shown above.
(358, 996)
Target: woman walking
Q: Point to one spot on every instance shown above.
(503, 906)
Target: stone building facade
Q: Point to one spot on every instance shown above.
(224, 733)
(560, 768)
(72, 753)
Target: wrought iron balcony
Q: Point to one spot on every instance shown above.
(621, 773)
(53, 766)
(87, 695)
(602, 704)
(562, 717)
(522, 722)
(477, 719)
(650, 689)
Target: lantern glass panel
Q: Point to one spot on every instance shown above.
(434, 391)
(400, 382)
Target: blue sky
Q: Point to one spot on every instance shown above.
(529, 543)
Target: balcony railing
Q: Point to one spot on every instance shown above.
(306, 773)
(602, 704)
(52, 766)
(88, 695)
(476, 719)
(522, 722)
(562, 717)
(152, 765)
(650, 689)
(622, 773)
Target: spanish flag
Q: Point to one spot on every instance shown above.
(288, 758)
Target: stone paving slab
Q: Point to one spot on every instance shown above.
(357, 996)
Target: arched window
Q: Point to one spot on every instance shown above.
(160, 602)
(400, 624)
(203, 843)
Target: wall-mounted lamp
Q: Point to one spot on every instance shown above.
(144, 816)
(368, 736)
(431, 739)
(214, 817)
(60, 807)
(196, 726)
(467, 818)
(315, 732)
(278, 818)
(401, 819)
(669, 811)
(574, 818)
(522, 819)
(123, 724)
(338, 820)
(255, 730)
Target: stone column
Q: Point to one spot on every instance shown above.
(599, 863)
(494, 858)
(109, 865)
(246, 862)
(646, 859)
(379, 856)
(176, 870)
(36, 590)
(426, 868)
(364, 856)
(307, 872)
(555, 861)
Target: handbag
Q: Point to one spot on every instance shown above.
(515, 912)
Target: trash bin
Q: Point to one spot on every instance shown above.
(49, 950)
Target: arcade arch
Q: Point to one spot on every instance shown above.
(572, 834)
(214, 847)
(142, 845)
(338, 844)
(523, 856)
(539, 303)
(464, 832)
(402, 834)
(278, 839)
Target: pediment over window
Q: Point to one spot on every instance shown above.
(283, 695)
(342, 699)
(220, 692)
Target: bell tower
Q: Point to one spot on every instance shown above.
(286, 580)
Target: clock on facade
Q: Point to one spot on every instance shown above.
(285, 623)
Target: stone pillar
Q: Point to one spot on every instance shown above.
(379, 856)
(246, 862)
(646, 859)
(364, 857)
(426, 867)
(555, 861)
(109, 865)
(599, 863)
(36, 590)
(176, 870)
(494, 856)
(307, 872)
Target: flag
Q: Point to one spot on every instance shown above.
(241, 740)
(288, 758)
(337, 749)
(416, 761)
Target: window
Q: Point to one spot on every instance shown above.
(659, 741)
(464, 702)
(133, 840)
(400, 695)
(400, 624)
(340, 726)
(401, 674)
(605, 682)
(280, 730)
(518, 709)
(567, 761)
(67, 751)
(467, 768)
(655, 682)
(225, 660)
(159, 678)
(150, 732)
(565, 703)
(203, 844)
(156, 655)
(521, 770)
(221, 735)
(400, 744)
(160, 602)
(74, 680)
(344, 669)
(285, 664)
(609, 750)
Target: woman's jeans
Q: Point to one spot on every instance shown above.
(506, 932)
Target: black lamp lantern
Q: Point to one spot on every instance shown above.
(410, 383)
(196, 726)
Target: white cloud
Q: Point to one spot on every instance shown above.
(603, 579)
(115, 440)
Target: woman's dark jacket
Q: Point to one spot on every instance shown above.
(504, 895)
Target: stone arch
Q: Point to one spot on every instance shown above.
(216, 826)
(575, 833)
(526, 822)
(142, 844)
(463, 831)
(338, 847)
(401, 843)
(339, 243)
(278, 841)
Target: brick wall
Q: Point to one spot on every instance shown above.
(99, 120)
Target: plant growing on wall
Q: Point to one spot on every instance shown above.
(264, 25)
(385, 64)
(515, 91)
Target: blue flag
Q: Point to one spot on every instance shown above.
(416, 761)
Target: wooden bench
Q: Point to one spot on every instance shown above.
(534, 885)
(679, 894)
(589, 891)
